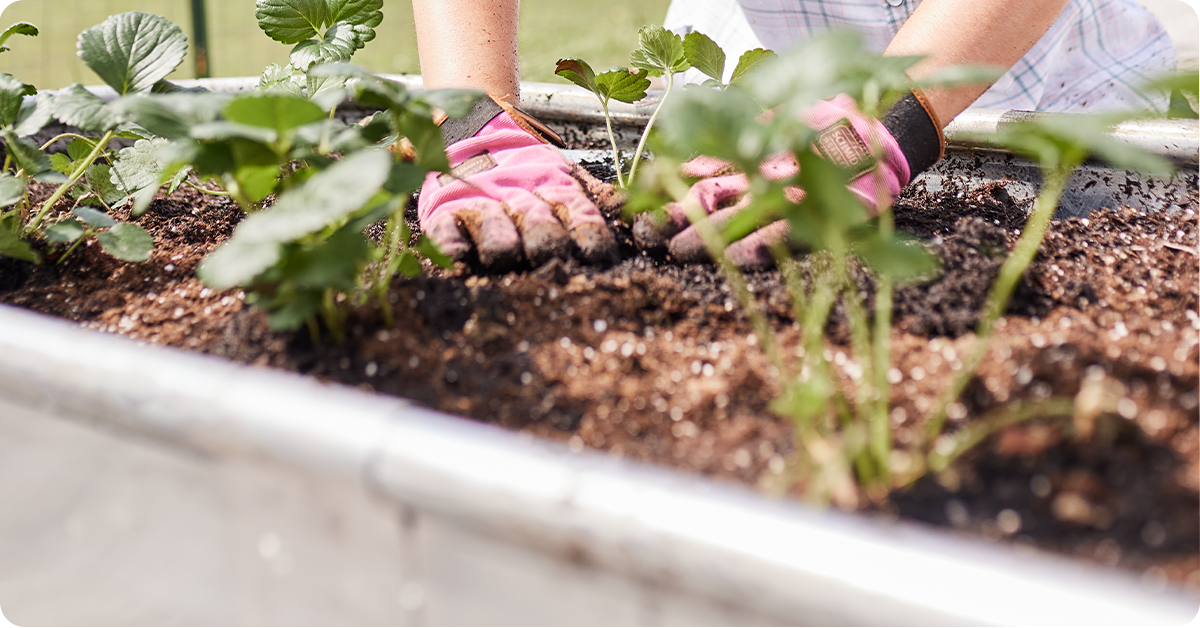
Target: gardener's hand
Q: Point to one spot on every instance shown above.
(511, 194)
(910, 140)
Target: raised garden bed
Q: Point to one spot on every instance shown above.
(653, 361)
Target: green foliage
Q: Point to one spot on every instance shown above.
(77, 107)
(133, 51)
(705, 55)
(660, 52)
(12, 190)
(291, 254)
(748, 62)
(842, 438)
(20, 28)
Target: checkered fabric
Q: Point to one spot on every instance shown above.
(1092, 59)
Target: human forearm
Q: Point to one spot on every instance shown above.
(469, 43)
(979, 32)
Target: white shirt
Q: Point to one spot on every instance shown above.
(1093, 58)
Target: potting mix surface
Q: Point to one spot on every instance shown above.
(654, 361)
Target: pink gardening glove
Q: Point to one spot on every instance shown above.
(722, 192)
(511, 194)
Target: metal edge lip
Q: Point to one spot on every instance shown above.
(649, 523)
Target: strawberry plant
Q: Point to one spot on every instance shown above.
(843, 438)
(133, 53)
(660, 53)
(1058, 145)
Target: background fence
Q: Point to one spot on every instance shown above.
(602, 32)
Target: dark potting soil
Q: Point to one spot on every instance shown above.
(653, 361)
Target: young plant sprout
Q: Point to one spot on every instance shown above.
(844, 439)
(660, 53)
(1058, 145)
(131, 52)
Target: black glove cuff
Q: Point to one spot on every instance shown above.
(485, 110)
(459, 129)
(917, 132)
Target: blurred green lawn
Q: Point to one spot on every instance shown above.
(602, 32)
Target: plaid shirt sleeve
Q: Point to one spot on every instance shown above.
(1093, 58)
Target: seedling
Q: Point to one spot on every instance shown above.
(660, 53)
(843, 439)
(133, 53)
(320, 32)
(1058, 145)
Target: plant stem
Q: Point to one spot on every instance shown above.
(880, 428)
(1055, 181)
(637, 155)
(333, 319)
(75, 176)
(206, 190)
(393, 244)
(612, 139)
(715, 243)
(86, 234)
(66, 135)
(994, 421)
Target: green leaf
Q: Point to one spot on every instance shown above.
(293, 21)
(899, 258)
(257, 182)
(659, 51)
(77, 107)
(716, 123)
(28, 156)
(620, 84)
(334, 263)
(280, 79)
(133, 51)
(235, 263)
(408, 264)
(65, 231)
(138, 166)
(222, 130)
(290, 313)
(20, 28)
(337, 46)
(578, 72)
(99, 178)
(97, 219)
(433, 253)
(12, 94)
(35, 114)
(128, 242)
(61, 163)
(704, 54)
(426, 139)
(12, 190)
(748, 62)
(404, 178)
(11, 244)
(79, 149)
(167, 87)
(326, 197)
(273, 111)
(170, 115)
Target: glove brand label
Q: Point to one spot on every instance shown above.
(842, 146)
(475, 165)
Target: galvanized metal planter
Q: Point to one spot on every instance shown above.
(141, 485)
